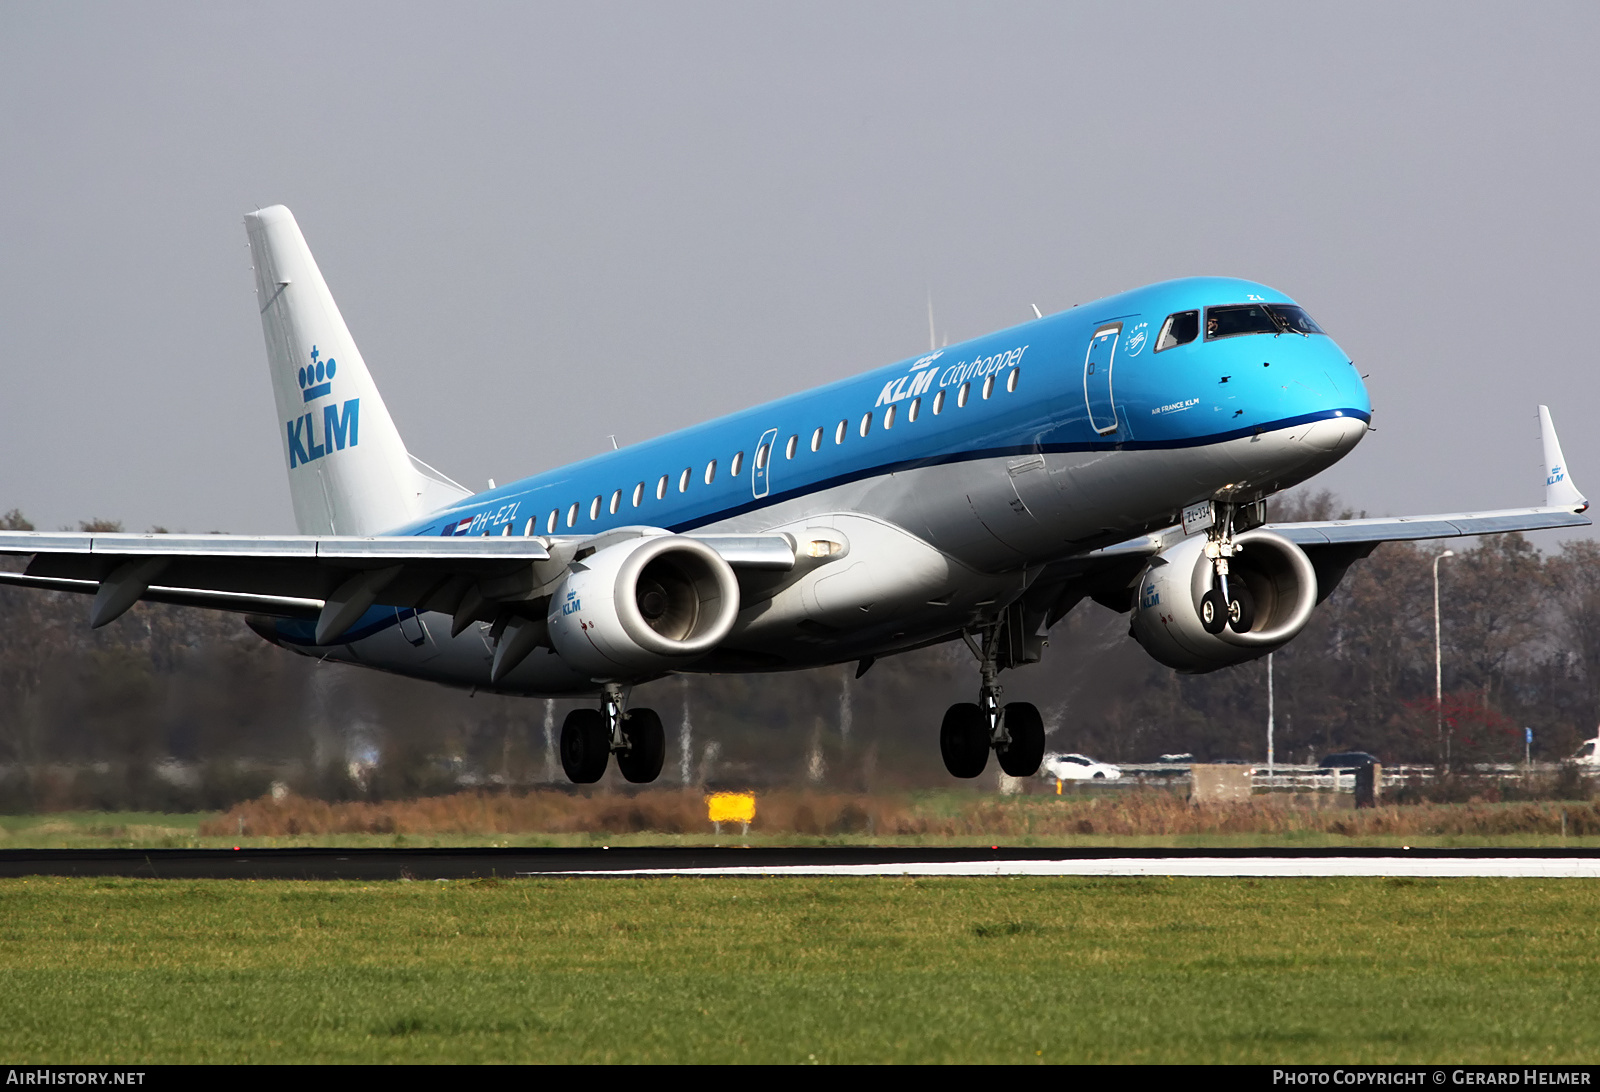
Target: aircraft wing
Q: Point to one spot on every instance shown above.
(1408, 528)
(333, 579)
(1564, 506)
(1106, 575)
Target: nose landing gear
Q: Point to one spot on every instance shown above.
(1015, 731)
(1228, 605)
(589, 736)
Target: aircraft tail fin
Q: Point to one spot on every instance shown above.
(1559, 490)
(349, 471)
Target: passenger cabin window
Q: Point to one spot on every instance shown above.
(683, 479)
(761, 456)
(550, 524)
(1011, 380)
(791, 447)
(938, 403)
(816, 439)
(527, 530)
(711, 471)
(594, 508)
(638, 494)
(738, 461)
(888, 417)
(572, 514)
(914, 409)
(988, 387)
(838, 433)
(616, 501)
(1179, 329)
(866, 423)
(961, 395)
(661, 488)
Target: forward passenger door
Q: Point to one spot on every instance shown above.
(1097, 363)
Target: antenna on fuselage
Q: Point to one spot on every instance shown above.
(1036, 312)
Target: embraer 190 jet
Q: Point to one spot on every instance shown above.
(1119, 451)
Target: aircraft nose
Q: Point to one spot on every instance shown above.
(1336, 435)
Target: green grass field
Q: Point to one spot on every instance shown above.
(795, 970)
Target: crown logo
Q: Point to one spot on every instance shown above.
(316, 378)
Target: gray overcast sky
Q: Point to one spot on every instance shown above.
(547, 223)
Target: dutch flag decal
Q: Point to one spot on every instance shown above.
(456, 528)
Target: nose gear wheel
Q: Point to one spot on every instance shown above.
(1229, 604)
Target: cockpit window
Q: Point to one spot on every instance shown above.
(1234, 321)
(1258, 318)
(1294, 318)
(1179, 329)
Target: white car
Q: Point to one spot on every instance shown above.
(1077, 768)
(1588, 754)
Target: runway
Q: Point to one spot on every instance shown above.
(712, 861)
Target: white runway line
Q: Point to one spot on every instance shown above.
(1528, 867)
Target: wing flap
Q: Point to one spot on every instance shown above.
(282, 547)
(298, 576)
(277, 606)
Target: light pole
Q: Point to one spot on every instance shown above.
(1270, 771)
(1438, 661)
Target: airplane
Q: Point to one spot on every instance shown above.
(1120, 451)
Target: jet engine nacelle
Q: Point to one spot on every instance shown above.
(643, 606)
(1166, 610)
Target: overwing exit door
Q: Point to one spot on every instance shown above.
(761, 465)
(1097, 377)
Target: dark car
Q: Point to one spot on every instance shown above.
(1348, 760)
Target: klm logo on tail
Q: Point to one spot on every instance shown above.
(338, 428)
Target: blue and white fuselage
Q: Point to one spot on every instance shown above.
(947, 480)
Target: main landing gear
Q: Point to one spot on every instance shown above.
(1226, 605)
(1015, 732)
(589, 736)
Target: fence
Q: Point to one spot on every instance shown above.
(1294, 778)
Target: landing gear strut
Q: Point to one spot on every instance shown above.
(1226, 605)
(589, 736)
(1015, 732)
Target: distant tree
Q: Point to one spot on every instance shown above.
(1575, 587)
(1298, 507)
(100, 526)
(1493, 600)
(14, 520)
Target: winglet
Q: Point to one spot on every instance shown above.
(1559, 492)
